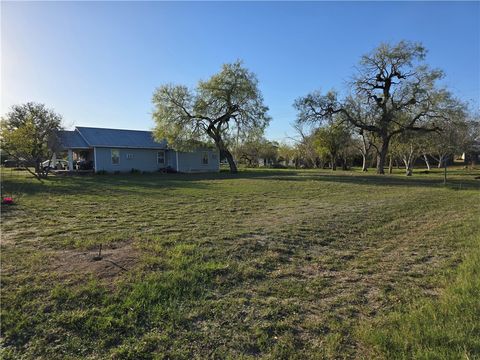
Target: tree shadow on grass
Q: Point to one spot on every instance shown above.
(138, 183)
(384, 180)
(98, 184)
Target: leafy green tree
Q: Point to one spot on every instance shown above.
(407, 147)
(226, 107)
(248, 152)
(287, 153)
(471, 145)
(269, 151)
(363, 144)
(251, 150)
(29, 135)
(333, 140)
(454, 138)
(393, 92)
(306, 152)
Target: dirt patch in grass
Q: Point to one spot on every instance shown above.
(115, 259)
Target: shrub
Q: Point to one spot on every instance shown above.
(167, 170)
(135, 171)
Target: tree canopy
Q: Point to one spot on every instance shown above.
(226, 107)
(29, 134)
(331, 140)
(394, 91)
(254, 148)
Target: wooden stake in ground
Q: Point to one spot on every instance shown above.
(99, 256)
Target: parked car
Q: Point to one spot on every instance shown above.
(10, 163)
(14, 163)
(58, 165)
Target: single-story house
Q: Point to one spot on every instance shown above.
(115, 150)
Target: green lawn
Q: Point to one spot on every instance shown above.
(266, 263)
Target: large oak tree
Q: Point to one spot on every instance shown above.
(394, 91)
(227, 106)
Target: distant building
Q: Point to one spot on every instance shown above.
(473, 155)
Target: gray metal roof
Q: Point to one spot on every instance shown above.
(71, 139)
(100, 137)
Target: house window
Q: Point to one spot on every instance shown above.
(129, 156)
(115, 156)
(161, 157)
(205, 158)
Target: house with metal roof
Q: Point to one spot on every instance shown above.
(116, 150)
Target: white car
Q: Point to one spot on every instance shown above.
(58, 165)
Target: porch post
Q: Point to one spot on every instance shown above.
(94, 159)
(70, 160)
(176, 151)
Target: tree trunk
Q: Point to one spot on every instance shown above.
(440, 161)
(409, 160)
(231, 161)
(408, 166)
(364, 151)
(35, 174)
(390, 165)
(40, 173)
(224, 152)
(382, 155)
(364, 163)
(334, 164)
(427, 162)
(37, 168)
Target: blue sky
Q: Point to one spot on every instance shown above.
(98, 63)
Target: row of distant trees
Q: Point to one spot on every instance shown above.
(394, 110)
(340, 145)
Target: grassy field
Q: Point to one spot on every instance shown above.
(266, 263)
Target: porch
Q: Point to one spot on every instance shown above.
(78, 160)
